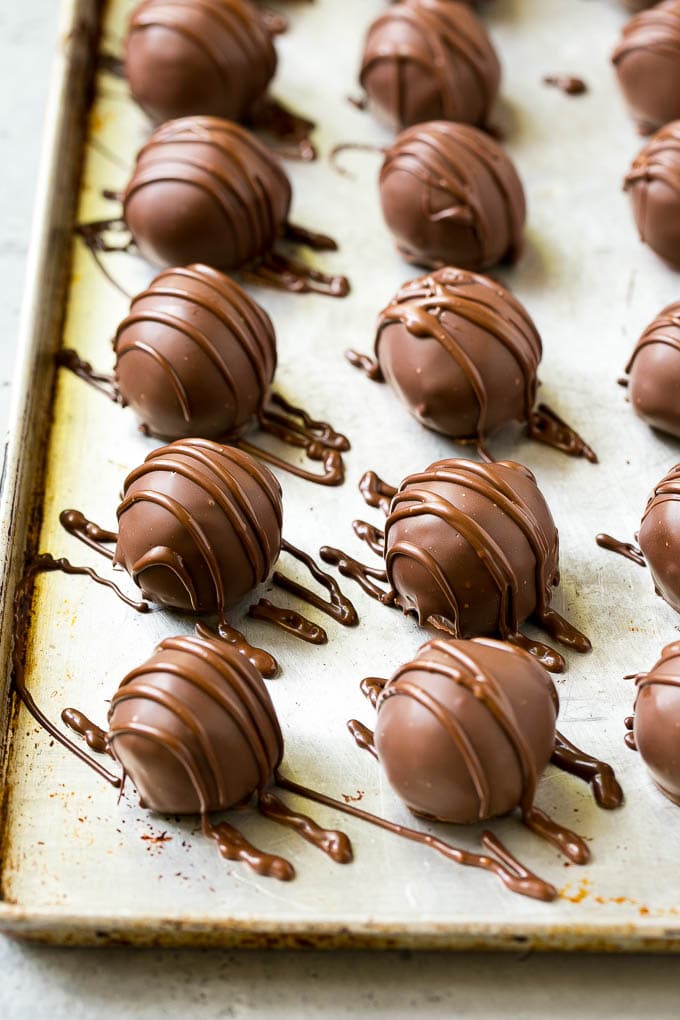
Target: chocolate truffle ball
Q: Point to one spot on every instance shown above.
(656, 724)
(653, 183)
(205, 190)
(647, 62)
(430, 60)
(451, 196)
(199, 525)
(461, 352)
(194, 728)
(472, 544)
(198, 56)
(659, 537)
(654, 372)
(195, 356)
(465, 729)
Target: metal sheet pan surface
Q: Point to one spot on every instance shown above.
(77, 866)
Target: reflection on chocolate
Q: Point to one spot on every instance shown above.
(203, 57)
(194, 728)
(195, 356)
(647, 62)
(656, 723)
(653, 184)
(430, 60)
(451, 196)
(659, 537)
(462, 354)
(654, 372)
(199, 525)
(230, 199)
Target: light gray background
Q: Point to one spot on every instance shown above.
(55, 983)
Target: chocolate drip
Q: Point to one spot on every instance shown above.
(290, 621)
(566, 83)
(22, 617)
(352, 147)
(333, 843)
(503, 864)
(373, 537)
(376, 492)
(359, 572)
(296, 234)
(282, 273)
(371, 687)
(548, 657)
(77, 524)
(369, 366)
(547, 427)
(233, 845)
(271, 118)
(274, 22)
(363, 737)
(93, 236)
(338, 606)
(625, 549)
(461, 669)
(598, 774)
(112, 64)
(94, 736)
(263, 662)
(104, 383)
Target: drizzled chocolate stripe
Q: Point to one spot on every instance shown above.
(665, 329)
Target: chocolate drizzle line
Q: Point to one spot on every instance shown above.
(599, 774)
(283, 273)
(94, 736)
(663, 330)
(103, 382)
(376, 492)
(655, 677)
(272, 118)
(76, 523)
(290, 621)
(359, 572)
(232, 845)
(333, 843)
(467, 673)
(503, 864)
(419, 306)
(363, 737)
(22, 618)
(265, 663)
(626, 549)
(629, 738)
(93, 236)
(567, 83)
(338, 606)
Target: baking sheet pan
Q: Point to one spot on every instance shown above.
(77, 867)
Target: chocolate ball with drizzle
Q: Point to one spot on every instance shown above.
(194, 728)
(199, 525)
(451, 196)
(653, 185)
(430, 59)
(647, 62)
(473, 549)
(659, 537)
(195, 356)
(205, 190)
(654, 372)
(204, 57)
(656, 723)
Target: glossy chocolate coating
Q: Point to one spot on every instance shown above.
(205, 190)
(474, 544)
(194, 728)
(430, 60)
(451, 196)
(447, 726)
(659, 537)
(647, 62)
(461, 352)
(195, 356)
(653, 183)
(656, 726)
(654, 372)
(185, 57)
(199, 525)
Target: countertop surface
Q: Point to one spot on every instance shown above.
(41, 982)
